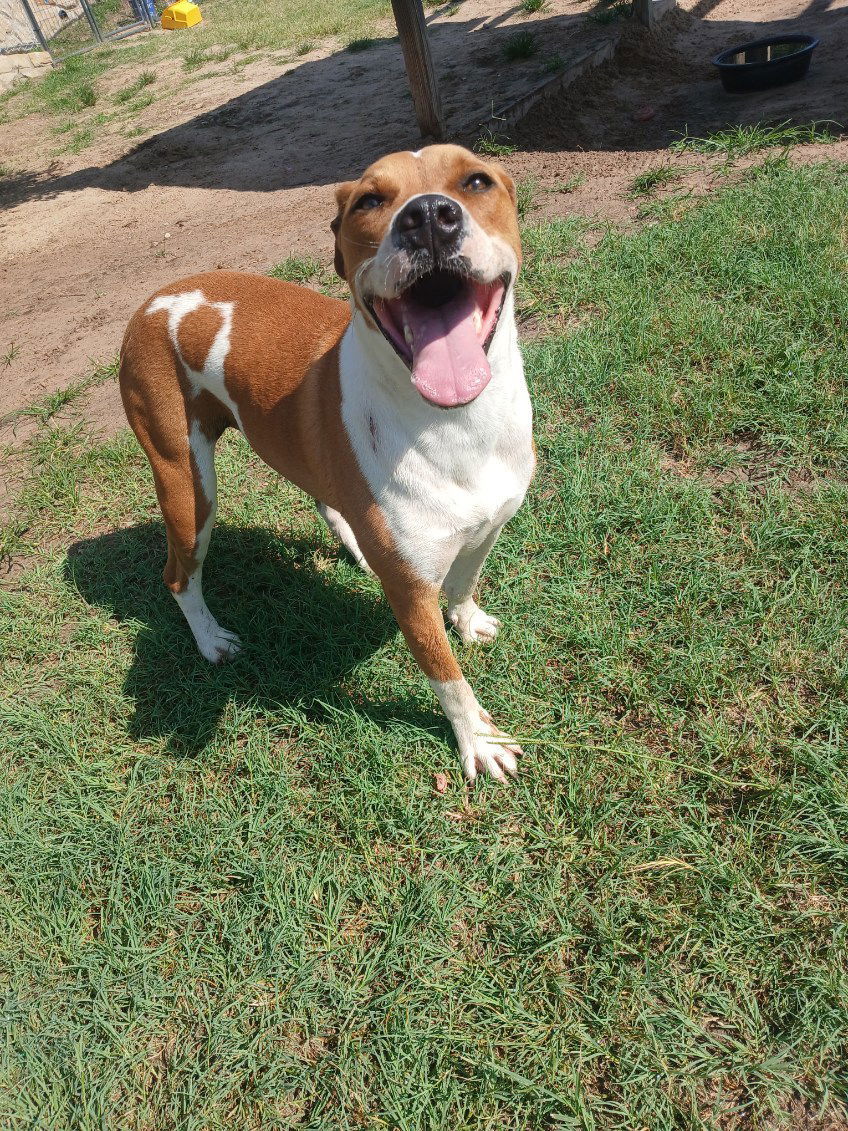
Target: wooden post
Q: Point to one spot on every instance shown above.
(643, 11)
(409, 17)
(650, 12)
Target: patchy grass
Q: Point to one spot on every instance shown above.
(658, 177)
(491, 144)
(68, 88)
(199, 57)
(531, 7)
(145, 79)
(526, 190)
(309, 272)
(362, 44)
(231, 897)
(521, 45)
(572, 184)
(739, 141)
(607, 13)
(43, 409)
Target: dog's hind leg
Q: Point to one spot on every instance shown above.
(179, 440)
(345, 535)
(189, 504)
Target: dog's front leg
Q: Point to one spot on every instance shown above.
(482, 747)
(473, 625)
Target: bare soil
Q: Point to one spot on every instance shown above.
(243, 180)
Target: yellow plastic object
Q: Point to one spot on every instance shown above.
(180, 14)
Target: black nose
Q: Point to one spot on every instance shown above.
(430, 222)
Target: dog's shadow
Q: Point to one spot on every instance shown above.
(304, 631)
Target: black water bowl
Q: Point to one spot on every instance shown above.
(766, 62)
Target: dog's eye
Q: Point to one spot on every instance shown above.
(368, 201)
(478, 182)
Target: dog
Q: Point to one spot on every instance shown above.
(404, 413)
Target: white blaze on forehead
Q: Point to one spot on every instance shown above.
(211, 376)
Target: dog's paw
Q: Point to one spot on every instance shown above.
(473, 625)
(218, 645)
(490, 751)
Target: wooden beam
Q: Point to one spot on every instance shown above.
(650, 12)
(409, 17)
(642, 10)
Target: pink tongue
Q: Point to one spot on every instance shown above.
(449, 365)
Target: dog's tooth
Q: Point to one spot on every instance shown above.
(478, 321)
(407, 334)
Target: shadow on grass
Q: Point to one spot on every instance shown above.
(303, 632)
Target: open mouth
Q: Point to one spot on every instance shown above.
(441, 326)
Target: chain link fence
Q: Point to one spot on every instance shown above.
(68, 27)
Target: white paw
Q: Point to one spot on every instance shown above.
(218, 644)
(473, 625)
(490, 751)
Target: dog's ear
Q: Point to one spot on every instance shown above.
(342, 196)
(508, 182)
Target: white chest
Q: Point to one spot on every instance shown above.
(444, 479)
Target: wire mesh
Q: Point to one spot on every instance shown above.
(67, 27)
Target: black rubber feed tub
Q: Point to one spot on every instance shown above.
(766, 62)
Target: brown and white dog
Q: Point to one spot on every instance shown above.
(405, 414)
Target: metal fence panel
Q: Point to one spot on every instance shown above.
(67, 27)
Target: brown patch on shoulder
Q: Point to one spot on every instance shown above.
(196, 333)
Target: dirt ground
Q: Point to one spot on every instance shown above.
(242, 181)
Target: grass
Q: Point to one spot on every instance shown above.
(607, 13)
(310, 272)
(530, 7)
(572, 184)
(68, 88)
(43, 409)
(231, 897)
(199, 56)
(658, 177)
(490, 144)
(521, 45)
(526, 191)
(740, 141)
(129, 93)
(362, 44)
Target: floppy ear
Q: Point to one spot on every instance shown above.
(342, 196)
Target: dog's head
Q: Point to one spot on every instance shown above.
(428, 243)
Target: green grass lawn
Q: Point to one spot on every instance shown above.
(231, 898)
